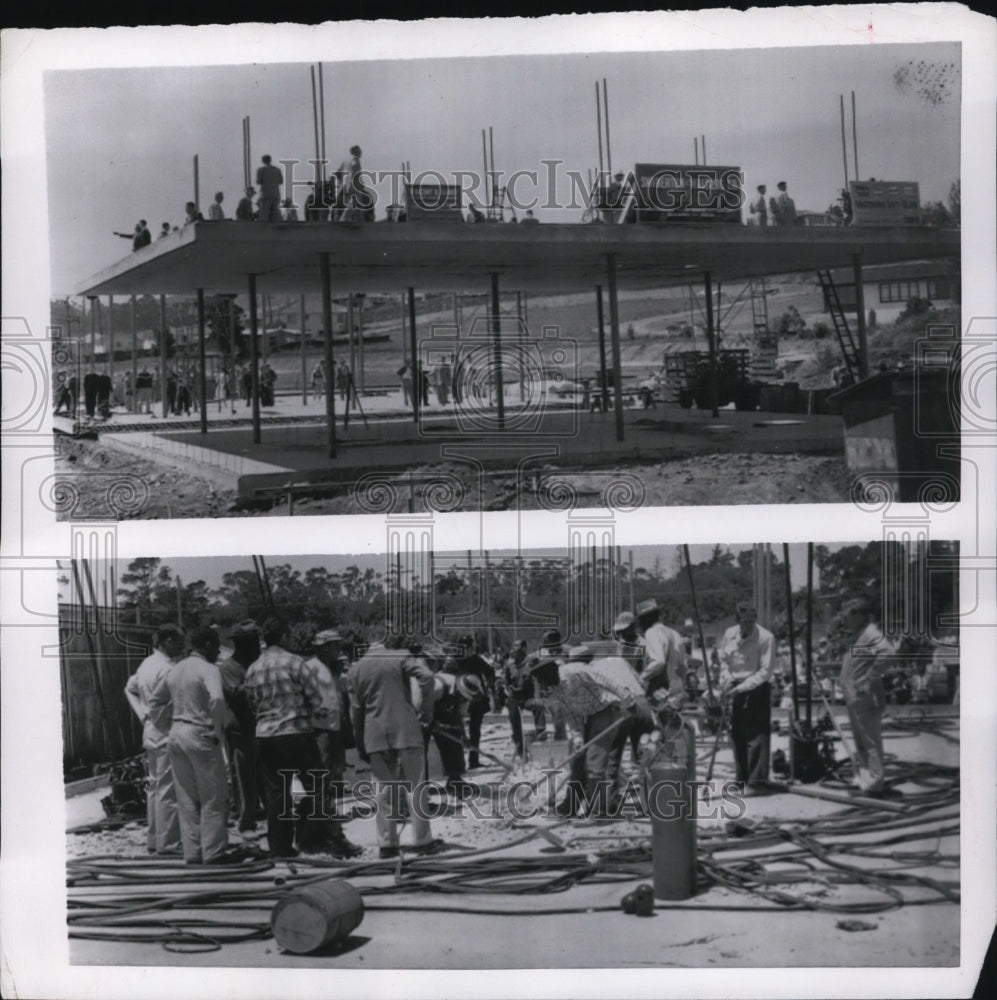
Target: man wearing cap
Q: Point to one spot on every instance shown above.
(285, 695)
(596, 710)
(747, 652)
(475, 680)
(240, 726)
(161, 796)
(519, 689)
(388, 722)
(330, 720)
(664, 656)
(193, 689)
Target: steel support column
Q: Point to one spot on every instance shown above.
(330, 371)
(202, 387)
(614, 333)
(860, 316)
(497, 355)
(254, 359)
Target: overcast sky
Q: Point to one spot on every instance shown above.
(120, 142)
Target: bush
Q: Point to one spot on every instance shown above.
(821, 330)
(916, 306)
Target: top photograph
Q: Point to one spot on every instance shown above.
(510, 282)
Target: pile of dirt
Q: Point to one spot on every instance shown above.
(96, 482)
(711, 479)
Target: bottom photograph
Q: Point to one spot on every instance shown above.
(697, 756)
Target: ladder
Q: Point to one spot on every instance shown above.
(849, 349)
(759, 307)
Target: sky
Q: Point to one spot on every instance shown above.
(120, 142)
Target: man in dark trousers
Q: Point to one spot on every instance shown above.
(91, 384)
(104, 389)
(269, 178)
(520, 693)
(475, 681)
(284, 696)
(747, 653)
(240, 726)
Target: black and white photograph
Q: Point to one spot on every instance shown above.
(586, 737)
(733, 275)
(619, 392)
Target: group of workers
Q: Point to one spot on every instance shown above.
(223, 739)
(776, 211)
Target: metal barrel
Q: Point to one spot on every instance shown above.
(316, 916)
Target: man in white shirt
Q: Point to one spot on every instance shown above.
(746, 655)
(329, 718)
(193, 688)
(862, 685)
(663, 656)
(161, 796)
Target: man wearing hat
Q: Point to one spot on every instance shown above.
(330, 721)
(475, 680)
(664, 655)
(285, 695)
(519, 689)
(596, 710)
(240, 726)
(551, 648)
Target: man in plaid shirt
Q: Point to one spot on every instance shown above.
(598, 709)
(284, 694)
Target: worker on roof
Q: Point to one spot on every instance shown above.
(759, 209)
(269, 178)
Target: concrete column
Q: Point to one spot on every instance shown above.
(254, 359)
(93, 330)
(413, 350)
(860, 316)
(304, 356)
(614, 333)
(330, 371)
(711, 340)
(202, 363)
(361, 379)
(163, 361)
(131, 323)
(497, 357)
(603, 379)
(110, 340)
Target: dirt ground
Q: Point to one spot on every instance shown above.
(583, 926)
(167, 491)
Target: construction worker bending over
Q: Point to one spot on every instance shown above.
(866, 654)
(747, 652)
(194, 689)
(161, 796)
(597, 711)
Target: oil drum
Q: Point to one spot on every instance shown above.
(317, 915)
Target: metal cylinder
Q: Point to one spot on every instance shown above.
(316, 916)
(671, 801)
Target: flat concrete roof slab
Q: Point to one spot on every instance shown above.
(385, 257)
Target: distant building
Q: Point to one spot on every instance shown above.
(887, 288)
